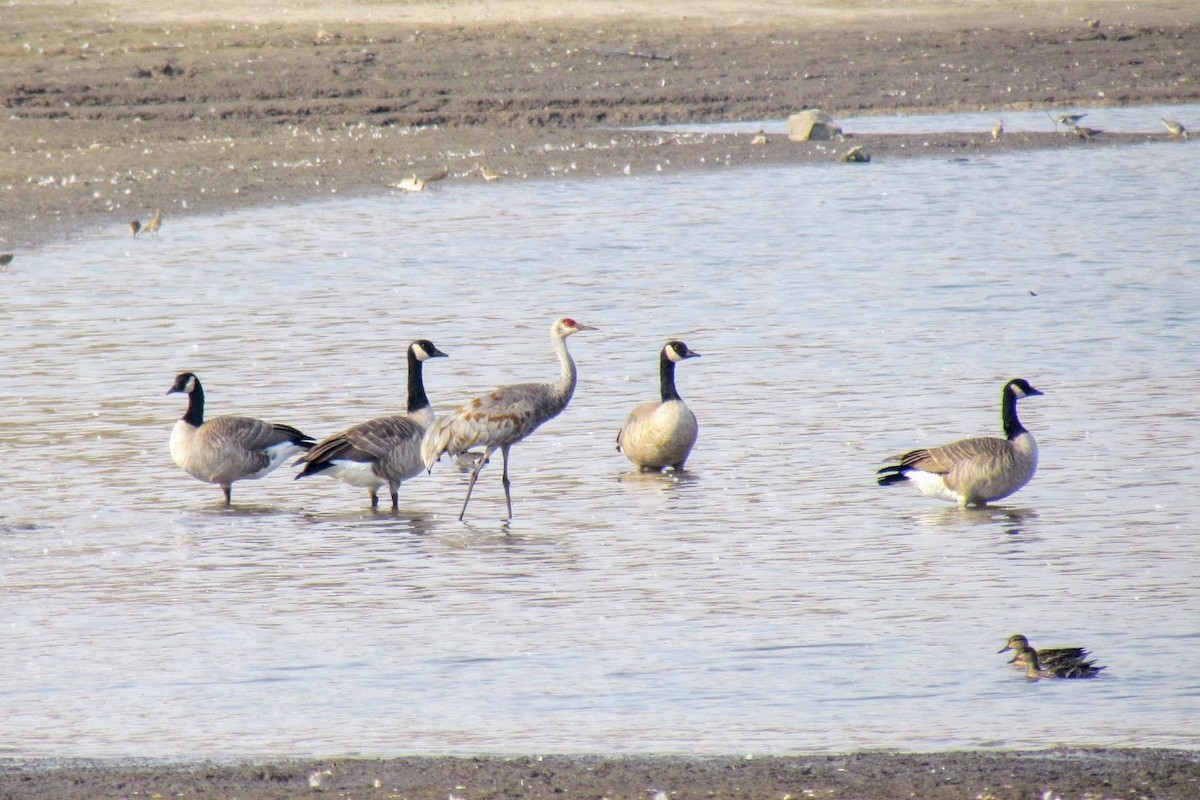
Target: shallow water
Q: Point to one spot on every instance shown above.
(771, 599)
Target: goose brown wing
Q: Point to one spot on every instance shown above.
(369, 441)
(942, 460)
(228, 448)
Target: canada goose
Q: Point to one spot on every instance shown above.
(662, 434)
(1047, 656)
(384, 449)
(973, 472)
(227, 449)
(1175, 129)
(504, 416)
(1027, 659)
(154, 224)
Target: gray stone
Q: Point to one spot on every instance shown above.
(812, 125)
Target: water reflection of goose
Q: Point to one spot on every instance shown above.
(974, 472)
(384, 450)
(504, 416)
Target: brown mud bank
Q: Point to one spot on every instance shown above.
(1062, 773)
(109, 114)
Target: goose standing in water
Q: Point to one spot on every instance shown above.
(974, 472)
(504, 416)
(659, 435)
(227, 449)
(384, 449)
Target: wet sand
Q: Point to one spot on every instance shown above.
(1066, 774)
(112, 111)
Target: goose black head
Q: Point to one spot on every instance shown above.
(424, 350)
(678, 351)
(185, 382)
(1021, 388)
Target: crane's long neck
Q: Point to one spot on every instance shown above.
(194, 415)
(1008, 414)
(566, 383)
(417, 399)
(666, 377)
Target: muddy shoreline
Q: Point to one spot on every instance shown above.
(106, 119)
(1059, 773)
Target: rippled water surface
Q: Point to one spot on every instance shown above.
(770, 599)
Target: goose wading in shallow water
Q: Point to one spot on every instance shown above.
(504, 416)
(661, 434)
(974, 472)
(384, 450)
(227, 449)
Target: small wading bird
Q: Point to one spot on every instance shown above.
(1027, 659)
(134, 227)
(662, 434)
(384, 449)
(997, 130)
(487, 174)
(974, 472)
(504, 416)
(154, 224)
(1069, 120)
(759, 138)
(1047, 656)
(413, 184)
(5, 259)
(227, 449)
(1175, 129)
(1086, 134)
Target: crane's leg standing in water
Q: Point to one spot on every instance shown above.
(505, 481)
(475, 476)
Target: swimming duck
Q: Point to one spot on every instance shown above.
(1027, 658)
(1047, 656)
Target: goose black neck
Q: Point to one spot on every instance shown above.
(195, 410)
(416, 384)
(1008, 414)
(666, 378)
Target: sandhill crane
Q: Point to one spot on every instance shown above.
(384, 449)
(227, 449)
(973, 472)
(662, 434)
(154, 224)
(504, 416)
